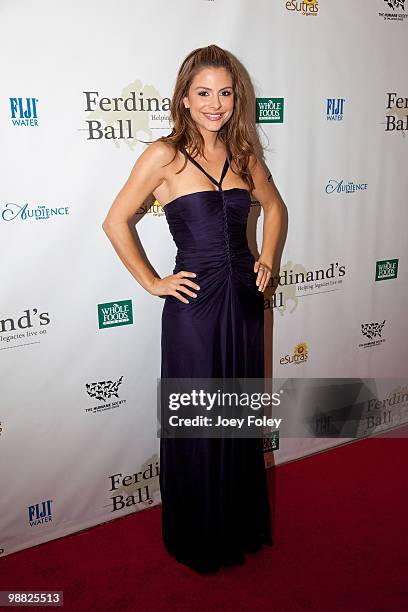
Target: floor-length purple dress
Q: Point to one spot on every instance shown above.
(215, 504)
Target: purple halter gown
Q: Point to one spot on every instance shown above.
(215, 504)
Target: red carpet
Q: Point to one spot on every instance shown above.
(341, 542)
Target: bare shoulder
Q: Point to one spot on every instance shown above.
(155, 157)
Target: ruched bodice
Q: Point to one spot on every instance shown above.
(209, 228)
(218, 334)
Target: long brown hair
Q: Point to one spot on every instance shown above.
(235, 133)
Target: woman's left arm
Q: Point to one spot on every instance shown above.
(269, 198)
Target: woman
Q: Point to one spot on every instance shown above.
(215, 504)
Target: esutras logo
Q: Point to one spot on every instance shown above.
(300, 355)
(26, 212)
(304, 7)
(103, 390)
(23, 112)
(23, 330)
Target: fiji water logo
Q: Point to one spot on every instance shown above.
(24, 212)
(112, 314)
(386, 269)
(335, 186)
(335, 109)
(24, 112)
(269, 110)
(38, 514)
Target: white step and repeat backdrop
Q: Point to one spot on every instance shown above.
(82, 84)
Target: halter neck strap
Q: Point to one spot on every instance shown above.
(212, 179)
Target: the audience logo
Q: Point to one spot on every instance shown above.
(27, 212)
(39, 514)
(139, 109)
(23, 330)
(135, 491)
(269, 110)
(24, 112)
(386, 269)
(342, 186)
(335, 109)
(112, 314)
(102, 391)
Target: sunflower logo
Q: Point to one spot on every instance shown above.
(300, 349)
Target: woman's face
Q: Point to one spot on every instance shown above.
(210, 98)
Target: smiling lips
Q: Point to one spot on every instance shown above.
(213, 117)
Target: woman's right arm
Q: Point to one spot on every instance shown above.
(147, 173)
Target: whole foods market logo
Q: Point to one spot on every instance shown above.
(386, 269)
(269, 110)
(138, 108)
(25, 212)
(307, 7)
(112, 314)
(23, 330)
(137, 489)
(103, 390)
(23, 112)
